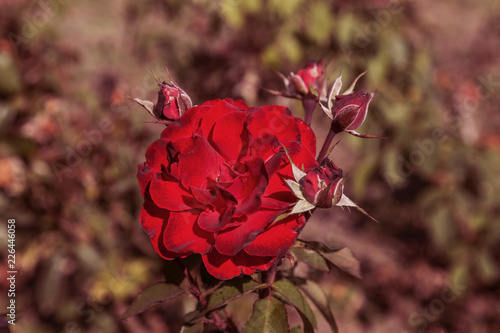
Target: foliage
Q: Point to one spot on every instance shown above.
(82, 255)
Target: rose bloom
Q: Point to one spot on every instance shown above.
(213, 184)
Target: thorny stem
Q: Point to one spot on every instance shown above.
(309, 107)
(195, 290)
(326, 145)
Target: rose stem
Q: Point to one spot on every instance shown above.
(309, 105)
(195, 290)
(326, 145)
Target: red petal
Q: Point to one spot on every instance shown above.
(233, 240)
(156, 155)
(203, 196)
(278, 238)
(153, 221)
(278, 195)
(255, 184)
(238, 103)
(225, 267)
(227, 135)
(183, 126)
(213, 221)
(198, 161)
(307, 136)
(183, 234)
(269, 126)
(169, 195)
(213, 114)
(276, 120)
(304, 160)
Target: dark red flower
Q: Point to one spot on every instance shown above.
(214, 184)
(323, 185)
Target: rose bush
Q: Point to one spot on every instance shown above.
(214, 184)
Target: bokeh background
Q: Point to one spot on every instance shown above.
(70, 142)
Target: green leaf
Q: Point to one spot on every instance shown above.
(231, 291)
(149, 106)
(151, 295)
(353, 84)
(296, 329)
(338, 255)
(318, 297)
(293, 297)
(268, 316)
(313, 91)
(192, 317)
(310, 257)
(196, 328)
(322, 247)
(345, 260)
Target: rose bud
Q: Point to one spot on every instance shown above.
(172, 103)
(349, 111)
(311, 75)
(323, 185)
(299, 85)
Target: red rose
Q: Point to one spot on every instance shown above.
(214, 184)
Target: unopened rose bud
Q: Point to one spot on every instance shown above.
(349, 111)
(323, 185)
(172, 103)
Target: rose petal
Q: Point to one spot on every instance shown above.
(154, 221)
(238, 103)
(307, 137)
(233, 240)
(198, 161)
(228, 135)
(276, 120)
(278, 195)
(224, 267)
(217, 110)
(183, 126)
(182, 234)
(214, 221)
(156, 155)
(255, 185)
(203, 196)
(169, 195)
(277, 238)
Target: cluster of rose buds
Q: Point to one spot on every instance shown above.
(233, 183)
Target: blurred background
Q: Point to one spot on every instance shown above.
(70, 142)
